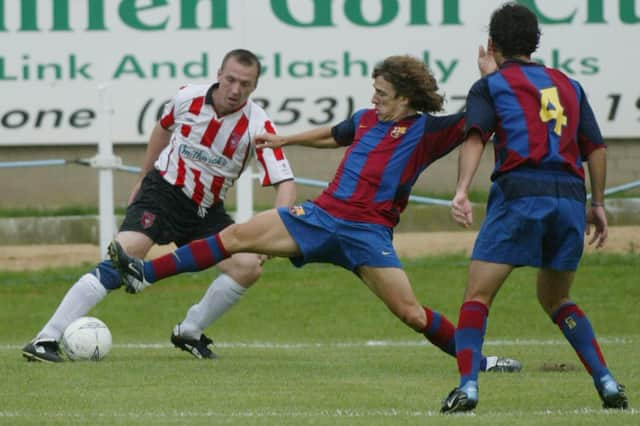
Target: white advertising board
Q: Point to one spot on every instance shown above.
(317, 57)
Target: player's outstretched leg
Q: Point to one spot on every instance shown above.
(131, 269)
(195, 256)
(500, 364)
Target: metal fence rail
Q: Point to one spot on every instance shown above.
(300, 180)
(244, 193)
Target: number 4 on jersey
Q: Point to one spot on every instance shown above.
(550, 109)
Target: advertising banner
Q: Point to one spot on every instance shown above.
(317, 57)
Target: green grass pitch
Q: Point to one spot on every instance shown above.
(314, 346)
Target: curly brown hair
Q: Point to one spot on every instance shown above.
(412, 79)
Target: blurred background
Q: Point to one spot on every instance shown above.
(317, 58)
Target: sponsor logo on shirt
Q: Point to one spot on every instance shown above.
(195, 154)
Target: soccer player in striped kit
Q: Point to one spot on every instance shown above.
(544, 129)
(197, 150)
(351, 223)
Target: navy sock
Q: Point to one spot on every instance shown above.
(576, 327)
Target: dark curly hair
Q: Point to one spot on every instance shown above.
(412, 79)
(514, 30)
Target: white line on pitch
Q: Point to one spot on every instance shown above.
(367, 343)
(333, 413)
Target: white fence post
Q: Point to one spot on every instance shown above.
(105, 161)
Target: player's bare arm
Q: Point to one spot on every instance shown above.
(597, 163)
(159, 139)
(285, 193)
(316, 138)
(468, 161)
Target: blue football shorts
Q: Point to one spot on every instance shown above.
(534, 218)
(324, 238)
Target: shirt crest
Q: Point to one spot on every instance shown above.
(398, 131)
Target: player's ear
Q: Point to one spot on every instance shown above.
(490, 47)
(406, 102)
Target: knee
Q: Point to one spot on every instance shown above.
(108, 276)
(550, 302)
(551, 306)
(413, 317)
(476, 294)
(232, 237)
(245, 269)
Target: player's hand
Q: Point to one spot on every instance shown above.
(461, 210)
(597, 216)
(486, 62)
(269, 140)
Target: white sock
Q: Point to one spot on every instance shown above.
(86, 293)
(221, 295)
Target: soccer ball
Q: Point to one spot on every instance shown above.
(86, 339)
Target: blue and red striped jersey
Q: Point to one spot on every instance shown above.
(383, 161)
(541, 118)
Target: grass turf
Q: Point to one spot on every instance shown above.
(314, 346)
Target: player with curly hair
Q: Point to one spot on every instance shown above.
(350, 224)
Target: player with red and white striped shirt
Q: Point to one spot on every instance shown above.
(208, 150)
(197, 150)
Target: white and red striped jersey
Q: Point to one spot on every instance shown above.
(207, 153)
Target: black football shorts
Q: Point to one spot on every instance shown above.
(165, 214)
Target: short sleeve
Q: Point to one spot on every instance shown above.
(589, 135)
(344, 133)
(273, 165)
(480, 112)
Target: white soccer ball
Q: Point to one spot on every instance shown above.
(86, 339)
